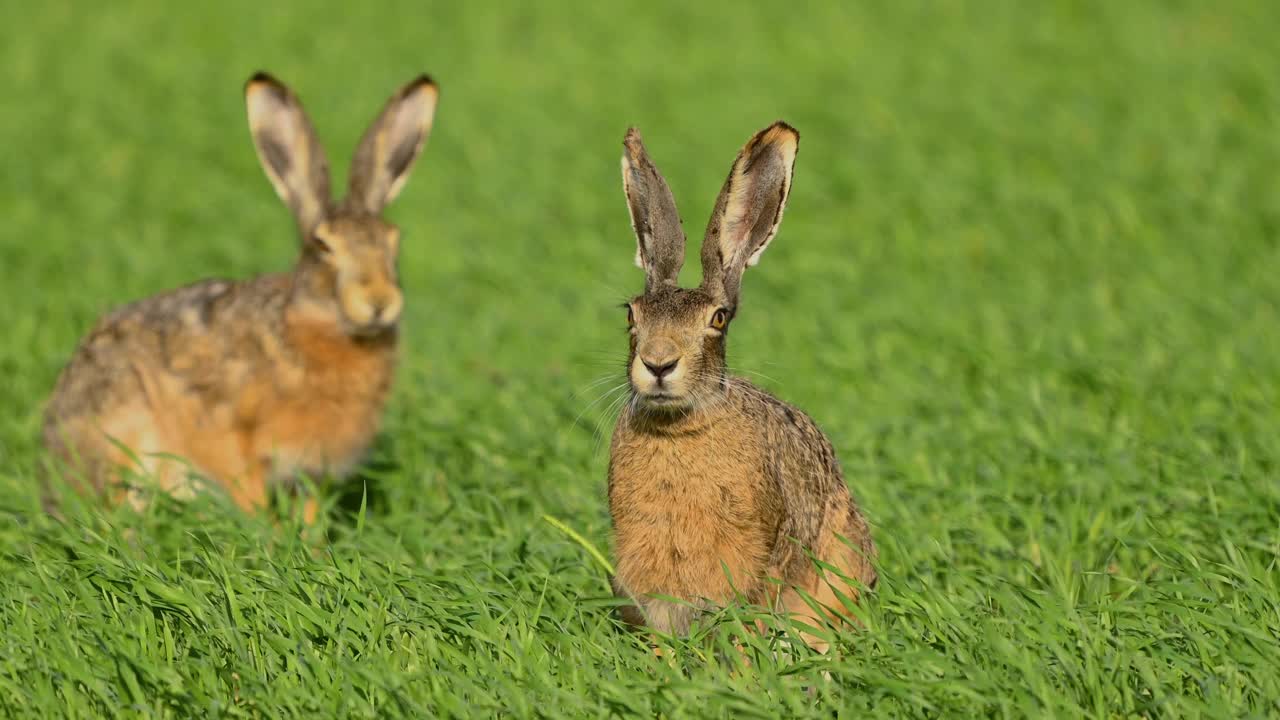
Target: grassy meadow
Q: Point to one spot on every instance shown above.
(1028, 282)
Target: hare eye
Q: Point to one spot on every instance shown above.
(321, 246)
(631, 316)
(719, 319)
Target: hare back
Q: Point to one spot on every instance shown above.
(748, 490)
(238, 379)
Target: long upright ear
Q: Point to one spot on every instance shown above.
(659, 235)
(288, 149)
(749, 209)
(390, 145)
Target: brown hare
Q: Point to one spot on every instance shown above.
(252, 383)
(718, 490)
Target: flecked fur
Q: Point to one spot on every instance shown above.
(719, 491)
(248, 383)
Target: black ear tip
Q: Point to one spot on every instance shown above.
(264, 78)
(784, 126)
(422, 81)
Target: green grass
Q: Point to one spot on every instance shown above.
(1028, 282)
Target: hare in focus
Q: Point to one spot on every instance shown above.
(718, 490)
(252, 383)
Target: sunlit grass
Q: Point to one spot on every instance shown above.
(1028, 282)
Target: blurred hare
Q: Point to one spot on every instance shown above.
(718, 490)
(251, 383)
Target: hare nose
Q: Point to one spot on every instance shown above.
(661, 369)
(382, 309)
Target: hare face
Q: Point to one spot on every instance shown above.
(677, 348)
(678, 335)
(353, 249)
(361, 253)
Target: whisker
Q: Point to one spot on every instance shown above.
(613, 291)
(607, 415)
(594, 384)
(601, 363)
(606, 419)
(607, 393)
(757, 374)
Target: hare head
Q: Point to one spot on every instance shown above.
(349, 251)
(677, 359)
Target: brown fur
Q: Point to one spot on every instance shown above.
(252, 383)
(715, 486)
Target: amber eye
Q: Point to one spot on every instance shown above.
(321, 246)
(719, 319)
(631, 316)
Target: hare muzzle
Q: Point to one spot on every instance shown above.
(659, 371)
(371, 307)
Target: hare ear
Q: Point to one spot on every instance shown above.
(288, 149)
(390, 145)
(659, 236)
(749, 209)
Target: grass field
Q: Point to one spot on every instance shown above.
(1028, 282)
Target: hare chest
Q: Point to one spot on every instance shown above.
(320, 417)
(692, 516)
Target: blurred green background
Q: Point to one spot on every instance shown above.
(1027, 282)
